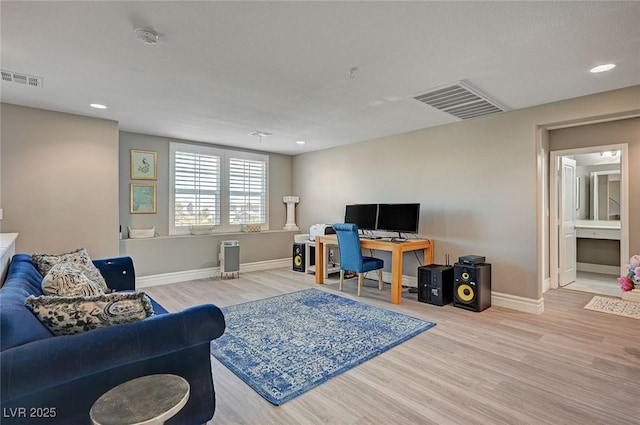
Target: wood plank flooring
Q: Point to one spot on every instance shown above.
(566, 366)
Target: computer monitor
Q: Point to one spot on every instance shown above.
(362, 215)
(398, 217)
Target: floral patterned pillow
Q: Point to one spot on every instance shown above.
(73, 315)
(78, 258)
(67, 280)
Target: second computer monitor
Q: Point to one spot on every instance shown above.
(398, 217)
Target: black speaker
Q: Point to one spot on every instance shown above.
(298, 257)
(472, 286)
(435, 284)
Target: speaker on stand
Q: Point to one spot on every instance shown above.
(472, 283)
(298, 257)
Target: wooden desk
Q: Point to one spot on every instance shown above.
(397, 250)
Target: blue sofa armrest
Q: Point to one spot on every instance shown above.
(41, 365)
(118, 272)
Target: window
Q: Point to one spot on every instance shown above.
(212, 186)
(247, 191)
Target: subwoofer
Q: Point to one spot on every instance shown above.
(298, 257)
(472, 286)
(435, 284)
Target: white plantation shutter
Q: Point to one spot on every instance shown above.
(197, 189)
(212, 186)
(247, 190)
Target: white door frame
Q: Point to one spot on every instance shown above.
(553, 205)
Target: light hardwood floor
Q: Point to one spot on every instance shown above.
(566, 366)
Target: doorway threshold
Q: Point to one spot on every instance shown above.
(596, 283)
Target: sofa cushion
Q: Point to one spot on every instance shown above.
(72, 315)
(78, 258)
(68, 280)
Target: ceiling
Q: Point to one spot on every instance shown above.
(224, 69)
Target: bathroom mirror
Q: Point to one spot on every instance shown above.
(598, 186)
(604, 195)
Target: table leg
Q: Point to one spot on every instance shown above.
(319, 262)
(428, 254)
(396, 276)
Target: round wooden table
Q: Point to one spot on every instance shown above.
(148, 400)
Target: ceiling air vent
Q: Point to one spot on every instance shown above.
(460, 100)
(27, 80)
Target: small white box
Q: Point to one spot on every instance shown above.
(301, 238)
(141, 233)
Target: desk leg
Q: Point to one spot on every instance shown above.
(428, 254)
(319, 262)
(396, 276)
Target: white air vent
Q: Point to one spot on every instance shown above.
(27, 80)
(460, 100)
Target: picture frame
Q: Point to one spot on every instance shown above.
(144, 165)
(142, 198)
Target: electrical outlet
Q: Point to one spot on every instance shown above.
(0, 213)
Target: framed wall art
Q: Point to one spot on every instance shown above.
(143, 198)
(144, 165)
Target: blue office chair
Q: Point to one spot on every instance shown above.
(351, 258)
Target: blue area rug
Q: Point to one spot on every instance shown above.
(285, 345)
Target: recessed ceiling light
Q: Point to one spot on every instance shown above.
(602, 68)
(300, 142)
(97, 106)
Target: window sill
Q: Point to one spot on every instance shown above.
(215, 235)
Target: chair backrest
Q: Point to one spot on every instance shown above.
(349, 245)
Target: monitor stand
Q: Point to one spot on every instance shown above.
(399, 238)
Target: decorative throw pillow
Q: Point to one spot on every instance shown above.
(67, 280)
(78, 258)
(73, 315)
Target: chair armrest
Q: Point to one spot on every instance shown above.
(46, 363)
(118, 272)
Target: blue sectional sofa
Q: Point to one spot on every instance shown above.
(56, 379)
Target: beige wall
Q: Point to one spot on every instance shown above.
(59, 181)
(477, 182)
(609, 133)
(186, 253)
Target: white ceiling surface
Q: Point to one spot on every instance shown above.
(224, 69)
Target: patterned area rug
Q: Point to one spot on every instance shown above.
(614, 306)
(286, 345)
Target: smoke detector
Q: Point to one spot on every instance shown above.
(147, 35)
(260, 134)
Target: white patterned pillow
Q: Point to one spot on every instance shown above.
(67, 280)
(73, 315)
(78, 258)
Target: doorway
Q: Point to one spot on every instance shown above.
(588, 218)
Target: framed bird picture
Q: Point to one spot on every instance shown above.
(144, 165)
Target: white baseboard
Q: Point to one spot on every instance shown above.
(513, 302)
(598, 268)
(410, 281)
(183, 276)
(526, 305)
